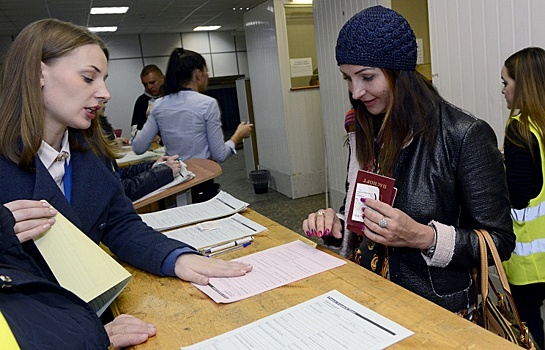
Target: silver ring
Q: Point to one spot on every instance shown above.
(383, 222)
(320, 212)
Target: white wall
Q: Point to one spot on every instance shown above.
(470, 40)
(288, 123)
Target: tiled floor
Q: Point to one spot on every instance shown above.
(276, 206)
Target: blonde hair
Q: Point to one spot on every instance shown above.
(22, 122)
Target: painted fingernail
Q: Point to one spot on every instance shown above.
(327, 232)
(363, 199)
(363, 227)
(308, 233)
(319, 233)
(313, 232)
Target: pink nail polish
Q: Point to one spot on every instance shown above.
(327, 232)
(363, 199)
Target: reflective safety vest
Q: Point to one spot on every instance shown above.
(527, 262)
(7, 339)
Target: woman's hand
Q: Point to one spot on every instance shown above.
(391, 227)
(172, 162)
(243, 131)
(197, 268)
(323, 223)
(32, 218)
(127, 330)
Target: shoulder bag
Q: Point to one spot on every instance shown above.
(501, 318)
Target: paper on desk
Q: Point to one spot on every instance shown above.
(224, 230)
(272, 268)
(329, 321)
(81, 266)
(130, 156)
(221, 205)
(185, 175)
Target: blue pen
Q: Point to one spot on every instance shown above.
(229, 249)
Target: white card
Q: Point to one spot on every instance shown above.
(363, 191)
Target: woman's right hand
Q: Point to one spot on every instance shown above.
(323, 222)
(32, 218)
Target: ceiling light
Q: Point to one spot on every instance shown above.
(102, 29)
(206, 28)
(108, 10)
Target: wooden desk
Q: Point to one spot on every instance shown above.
(204, 170)
(184, 316)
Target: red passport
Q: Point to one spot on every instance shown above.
(368, 185)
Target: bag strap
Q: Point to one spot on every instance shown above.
(487, 243)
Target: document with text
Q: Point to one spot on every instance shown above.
(212, 233)
(223, 204)
(329, 321)
(272, 268)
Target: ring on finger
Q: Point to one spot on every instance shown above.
(383, 222)
(320, 213)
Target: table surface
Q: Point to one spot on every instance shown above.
(184, 316)
(204, 170)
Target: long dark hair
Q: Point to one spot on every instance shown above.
(181, 65)
(527, 68)
(412, 97)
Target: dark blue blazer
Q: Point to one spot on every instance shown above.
(99, 208)
(41, 314)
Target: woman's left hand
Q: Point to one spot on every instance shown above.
(392, 227)
(127, 330)
(197, 268)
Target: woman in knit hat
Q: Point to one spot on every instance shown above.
(446, 163)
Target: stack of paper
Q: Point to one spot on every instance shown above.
(213, 233)
(221, 205)
(131, 157)
(81, 266)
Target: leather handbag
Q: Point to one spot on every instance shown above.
(501, 318)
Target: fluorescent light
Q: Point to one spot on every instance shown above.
(108, 10)
(207, 28)
(102, 29)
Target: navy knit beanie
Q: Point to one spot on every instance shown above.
(377, 37)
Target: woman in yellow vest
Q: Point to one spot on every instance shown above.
(523, 77)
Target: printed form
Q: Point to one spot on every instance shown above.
(222, 204)
(211, 233)
(272, 268)
(329, 321)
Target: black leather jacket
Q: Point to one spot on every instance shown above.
(460, 183)
(140, 179)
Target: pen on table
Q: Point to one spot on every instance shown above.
(244, 245)
(229, 245)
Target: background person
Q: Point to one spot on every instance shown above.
(189, 122)
(144, 177)
(153, 79)
(54, 152)
(523, 77)
(448, 169)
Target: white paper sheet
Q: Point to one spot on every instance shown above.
(272, 268)
(202, 236)
(330, 321)
(183, 176)
(221, 205)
